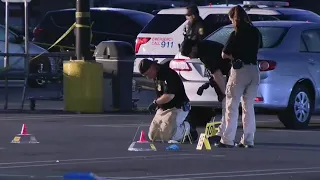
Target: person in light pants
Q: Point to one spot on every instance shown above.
(169, 125)
(242, 49)
(172, 103)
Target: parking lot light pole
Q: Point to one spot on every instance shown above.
(83, 30)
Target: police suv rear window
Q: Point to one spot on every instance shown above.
(271, 36)
(167, 23)
(164, 23)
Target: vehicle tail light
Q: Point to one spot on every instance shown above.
(140, 41)
(267, 65)
(179, 65)
(258, 99)
(36, 31)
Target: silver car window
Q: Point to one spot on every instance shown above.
(271, 36)
(312, 40)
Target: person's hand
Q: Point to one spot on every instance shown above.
(153, 106)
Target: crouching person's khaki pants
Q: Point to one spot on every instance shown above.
(168, 125)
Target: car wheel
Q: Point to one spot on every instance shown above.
(39, 65)
(200, 116)
(300, 108)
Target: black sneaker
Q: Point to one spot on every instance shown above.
(214, 139)
(240, 145)
(221, 145)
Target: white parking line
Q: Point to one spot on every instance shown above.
(118, 125)
(246, 175)
(291, 131)
(108, 160)
(128, 125)
(53, 116)
(227, 174)
(191, 178)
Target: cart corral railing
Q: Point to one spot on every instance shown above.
(58, 57)
(43, 68)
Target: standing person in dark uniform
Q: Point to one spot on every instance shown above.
(242, 49)
(171, 106)
(193, 32)
(210, 56)
(209, 52)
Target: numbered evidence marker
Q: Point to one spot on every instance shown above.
(203, 140)
(211, 129)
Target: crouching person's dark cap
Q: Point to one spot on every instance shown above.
(144, 65)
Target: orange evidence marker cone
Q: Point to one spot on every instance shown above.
(24, 130)
(142, 144)
(142, 138)
(24, 137)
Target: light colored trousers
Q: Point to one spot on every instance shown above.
(168, 125)
(242, 86)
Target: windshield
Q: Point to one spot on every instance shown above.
(271, 36)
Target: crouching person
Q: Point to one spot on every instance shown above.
(171, 106)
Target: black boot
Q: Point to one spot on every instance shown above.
(240, 145)
(214, 139)
(221, 145)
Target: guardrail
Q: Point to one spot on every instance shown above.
(49, 54)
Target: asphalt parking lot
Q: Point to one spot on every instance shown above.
(99, 144)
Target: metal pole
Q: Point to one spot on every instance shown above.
(26, 50)
(82, 30)
(6, 58)
(227, 2)
(26, 35)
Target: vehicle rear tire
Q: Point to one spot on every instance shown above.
(200, 116)
(300, 108)
(35, 67)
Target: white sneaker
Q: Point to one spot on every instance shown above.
(173, 142)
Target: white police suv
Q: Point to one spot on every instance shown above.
(161, 37)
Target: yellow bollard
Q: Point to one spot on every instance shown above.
(83, 86)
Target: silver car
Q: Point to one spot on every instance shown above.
(37, 65)
(290, 71)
